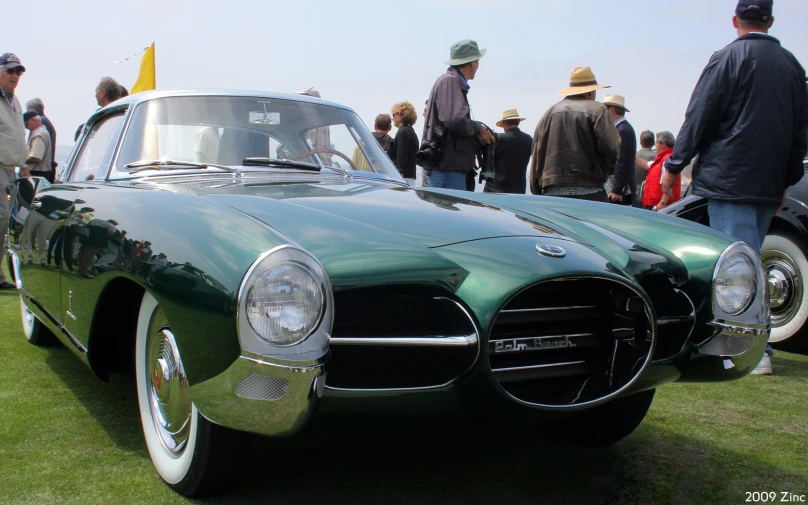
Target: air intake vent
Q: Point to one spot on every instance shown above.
(676, 317)
(261, 387)
(399, 337)
(571, 342)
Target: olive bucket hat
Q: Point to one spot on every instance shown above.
(463, 52)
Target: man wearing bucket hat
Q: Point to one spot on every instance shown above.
(511, 156)
(747, 122)
(623, 187)
(449, 145)
(13, 152)
(575, 144)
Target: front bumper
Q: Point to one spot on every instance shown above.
(261, 396)
(731, 353)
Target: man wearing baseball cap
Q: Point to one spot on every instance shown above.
(747, 122)
(13, 151)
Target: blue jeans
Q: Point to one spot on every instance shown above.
(448, 180)
(745, 221)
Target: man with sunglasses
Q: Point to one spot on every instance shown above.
(13, 150)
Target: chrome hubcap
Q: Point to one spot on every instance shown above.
(169, 399)
(785, 286)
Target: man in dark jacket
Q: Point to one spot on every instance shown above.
(511, 156)
(624, 189)
(575, 143)
(448, 119)
(746, 121)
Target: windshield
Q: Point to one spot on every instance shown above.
(226, 130)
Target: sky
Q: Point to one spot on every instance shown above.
(371, 55)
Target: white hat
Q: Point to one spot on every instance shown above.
(615, 101)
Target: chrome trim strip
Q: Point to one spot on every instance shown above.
(473, 340)
(297, 368)
(437, 341)
(738, 329)
(531, 367)
(548, 309)
(62, 328)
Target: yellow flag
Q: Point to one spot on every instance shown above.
(147, 79)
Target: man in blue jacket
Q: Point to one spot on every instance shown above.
(747, 121)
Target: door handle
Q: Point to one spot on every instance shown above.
(35, 204)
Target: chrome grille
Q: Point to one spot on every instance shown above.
(571, 342)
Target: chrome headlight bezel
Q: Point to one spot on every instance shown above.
(756, 309)
(314, 344)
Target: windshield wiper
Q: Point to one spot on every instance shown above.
(166, 164)
(273, 162)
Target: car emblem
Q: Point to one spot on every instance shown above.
(550, 250)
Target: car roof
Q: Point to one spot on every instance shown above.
(144, 96)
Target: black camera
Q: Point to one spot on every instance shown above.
(485, 158)
(431, 152)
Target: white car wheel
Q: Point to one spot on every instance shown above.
(180, 441)
(784, 262)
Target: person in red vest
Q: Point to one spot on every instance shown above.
(652, 196)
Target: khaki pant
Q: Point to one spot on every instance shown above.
(6, 176)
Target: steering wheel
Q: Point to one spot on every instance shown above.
(325, 150)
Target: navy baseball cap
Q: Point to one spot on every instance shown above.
(754, 10)
(28, 115)
(10, 60)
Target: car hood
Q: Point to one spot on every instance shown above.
(424, 217)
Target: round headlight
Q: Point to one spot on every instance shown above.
(735, 284)
(284, 304)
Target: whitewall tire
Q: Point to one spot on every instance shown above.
(183, 445)
(786, 268)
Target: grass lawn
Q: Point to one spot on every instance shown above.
(68, 438)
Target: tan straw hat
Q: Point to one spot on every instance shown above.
(582, 80)
(615, 101)
(509, 114)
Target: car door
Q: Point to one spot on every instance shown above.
(47, 207)
(84, 237)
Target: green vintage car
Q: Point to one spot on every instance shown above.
(258, 261)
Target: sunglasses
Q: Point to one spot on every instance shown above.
(15, 70)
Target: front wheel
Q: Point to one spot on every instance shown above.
(603, 425)
(784, 262)
(188, 451)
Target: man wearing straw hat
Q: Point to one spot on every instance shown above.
(448, 119)
(511, 156)
(575, 143)
(623, 187)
